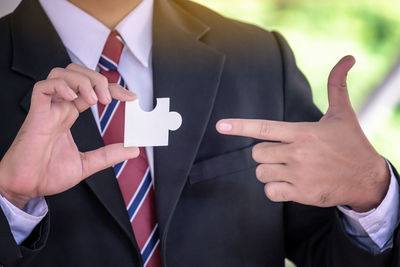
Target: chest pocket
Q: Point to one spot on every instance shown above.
(222, 165)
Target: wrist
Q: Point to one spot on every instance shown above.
(372, 195)
(18, 202)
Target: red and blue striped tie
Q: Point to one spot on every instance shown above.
(134, 177)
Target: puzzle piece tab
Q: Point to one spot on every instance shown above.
(149, 128)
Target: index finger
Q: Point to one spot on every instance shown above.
(98, 81)
(260, 129)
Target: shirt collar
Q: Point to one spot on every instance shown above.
(84, 36)
(136, 31)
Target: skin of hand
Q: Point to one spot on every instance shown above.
(43, 158)
(325, 163)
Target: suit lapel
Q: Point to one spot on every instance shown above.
(103, 184)
(36, 46)
(38, 49)
(188, 71)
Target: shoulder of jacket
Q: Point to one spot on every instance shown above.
(228, 28)
(5, 33)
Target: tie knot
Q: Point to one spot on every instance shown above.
(111, 54)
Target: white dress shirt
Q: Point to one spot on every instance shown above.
(84, 38)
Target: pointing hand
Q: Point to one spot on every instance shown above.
(325, 163)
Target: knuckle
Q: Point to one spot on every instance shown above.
(59, 82)
(55, 72)
(342, 86)
(304, 128)
(103, 80)
(84, 85)
(55, 82)
(39, 85)
(308, 136)
(72, 66)
(299, 154)
(265, 129)
(85, 82)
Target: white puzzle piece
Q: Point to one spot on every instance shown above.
(149, 128)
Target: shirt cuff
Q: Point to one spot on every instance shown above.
(380, 223)
(22, 222)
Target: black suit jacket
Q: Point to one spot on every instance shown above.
(211, 209)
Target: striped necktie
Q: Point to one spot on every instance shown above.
(134, 177)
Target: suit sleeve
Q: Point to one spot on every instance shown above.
(23, 221)
(315, 236)
(12, 254)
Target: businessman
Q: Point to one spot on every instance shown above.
(255, 174)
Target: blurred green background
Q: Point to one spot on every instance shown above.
(320, 33)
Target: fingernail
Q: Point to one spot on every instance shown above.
(136, 152)
(72, 94)
(108, 96)
(130, 93)
(94, 96)
(225, 127)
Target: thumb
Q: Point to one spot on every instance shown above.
(104, 157)
(337, 84)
